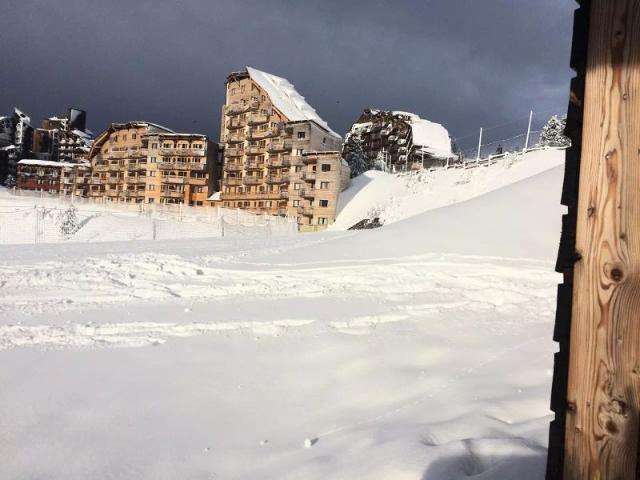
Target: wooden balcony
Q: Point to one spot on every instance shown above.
(196, 167)
(234, 167)
(253, 180)
(173, 180)
(232, 181)
(309, 176)
(233, 139)
(171, 194)
(257, 119)
(309, 159)
(233, 152)
(276, 147)
(307, 193)
(183, 152)
(255, 165)
(278, 179)
(305, 211)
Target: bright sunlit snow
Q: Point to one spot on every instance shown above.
(421, 350)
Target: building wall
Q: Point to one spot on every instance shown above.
(264, 168)
(34, 177)
(135, 163)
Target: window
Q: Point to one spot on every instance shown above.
(296, 203)
(322, 221)
(152, 173)
(301, 135)
(199, 190)
(298, 168)
(124, 137)
(299, 151)
(133, 136)
(324, 203)
(154, 146)
(296, 186)
(324, 139)
(151, 200)
(324, 185)
(151, 187)
(326, 167)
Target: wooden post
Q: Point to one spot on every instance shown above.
(598, 319)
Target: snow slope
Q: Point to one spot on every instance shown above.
(396, 197)
(421, 350)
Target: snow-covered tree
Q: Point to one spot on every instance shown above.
(68, 222)
(10, 181)
(355, 156)
(552, 134)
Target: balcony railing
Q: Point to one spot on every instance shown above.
(234, 167)
(185, 152)
(198, 167)
(232, 181)
(254, 150)
(279, 147)
(255, 165)
(308, 159)
(236, 123)
(278, 179)
(233, 152)
(284, 194)
(196, 181)
(101, 168)
(113, 180)
(280, 162)
(307, 193)
(171, 194)
(309, 176)
(305, 211)
(237, 109)
(257, 118)
(231, 139)
(253, 180)
(174, 180)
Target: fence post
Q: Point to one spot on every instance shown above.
(479, 147)
(155, 229)
(526, 142)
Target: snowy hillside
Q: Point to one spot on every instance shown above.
(419, 351)
(396, 197)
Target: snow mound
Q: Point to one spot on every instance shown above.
(397, 197)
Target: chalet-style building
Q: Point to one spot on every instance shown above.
(40, 175)
(143, 162)
(280, 157)
(398, 141)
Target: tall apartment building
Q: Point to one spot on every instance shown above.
(280, 157)
(64, 138)
(398, 140)
(147, 163)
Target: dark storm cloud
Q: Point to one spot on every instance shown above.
(464, 63)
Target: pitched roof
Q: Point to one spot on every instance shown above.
(285, 98)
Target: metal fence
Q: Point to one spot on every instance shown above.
(37, 217)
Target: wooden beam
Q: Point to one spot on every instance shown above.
(603, 393)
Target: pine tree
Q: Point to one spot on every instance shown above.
(68, 222)
(10, 181)
(552, 134)
(355, 156)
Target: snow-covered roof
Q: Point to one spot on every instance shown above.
(215, 196)
(40, 163)
(9, 147)
(429, 137)
(285, 98)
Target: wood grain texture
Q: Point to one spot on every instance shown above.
(603, 398)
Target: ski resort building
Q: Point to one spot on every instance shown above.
(143, 162)
(40, 175)
(280, 157)
(63, 138)
(398, 141)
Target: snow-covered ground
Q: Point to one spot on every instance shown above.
(421, 350)
(394, 197)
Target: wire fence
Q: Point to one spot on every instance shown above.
(486, 144)
(35, 217)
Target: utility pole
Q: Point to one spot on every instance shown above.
(526, 142)
(596, 384)
(479, 147)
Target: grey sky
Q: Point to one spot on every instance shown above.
(463, 63)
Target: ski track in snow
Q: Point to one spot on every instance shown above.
(433, 283)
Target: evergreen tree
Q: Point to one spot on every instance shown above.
(10, 181)
(68, 222)
(552, 134)
(355, 156)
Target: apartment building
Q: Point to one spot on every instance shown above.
(280, 157)
(144, 162)
(398, 141)
(40, 175)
